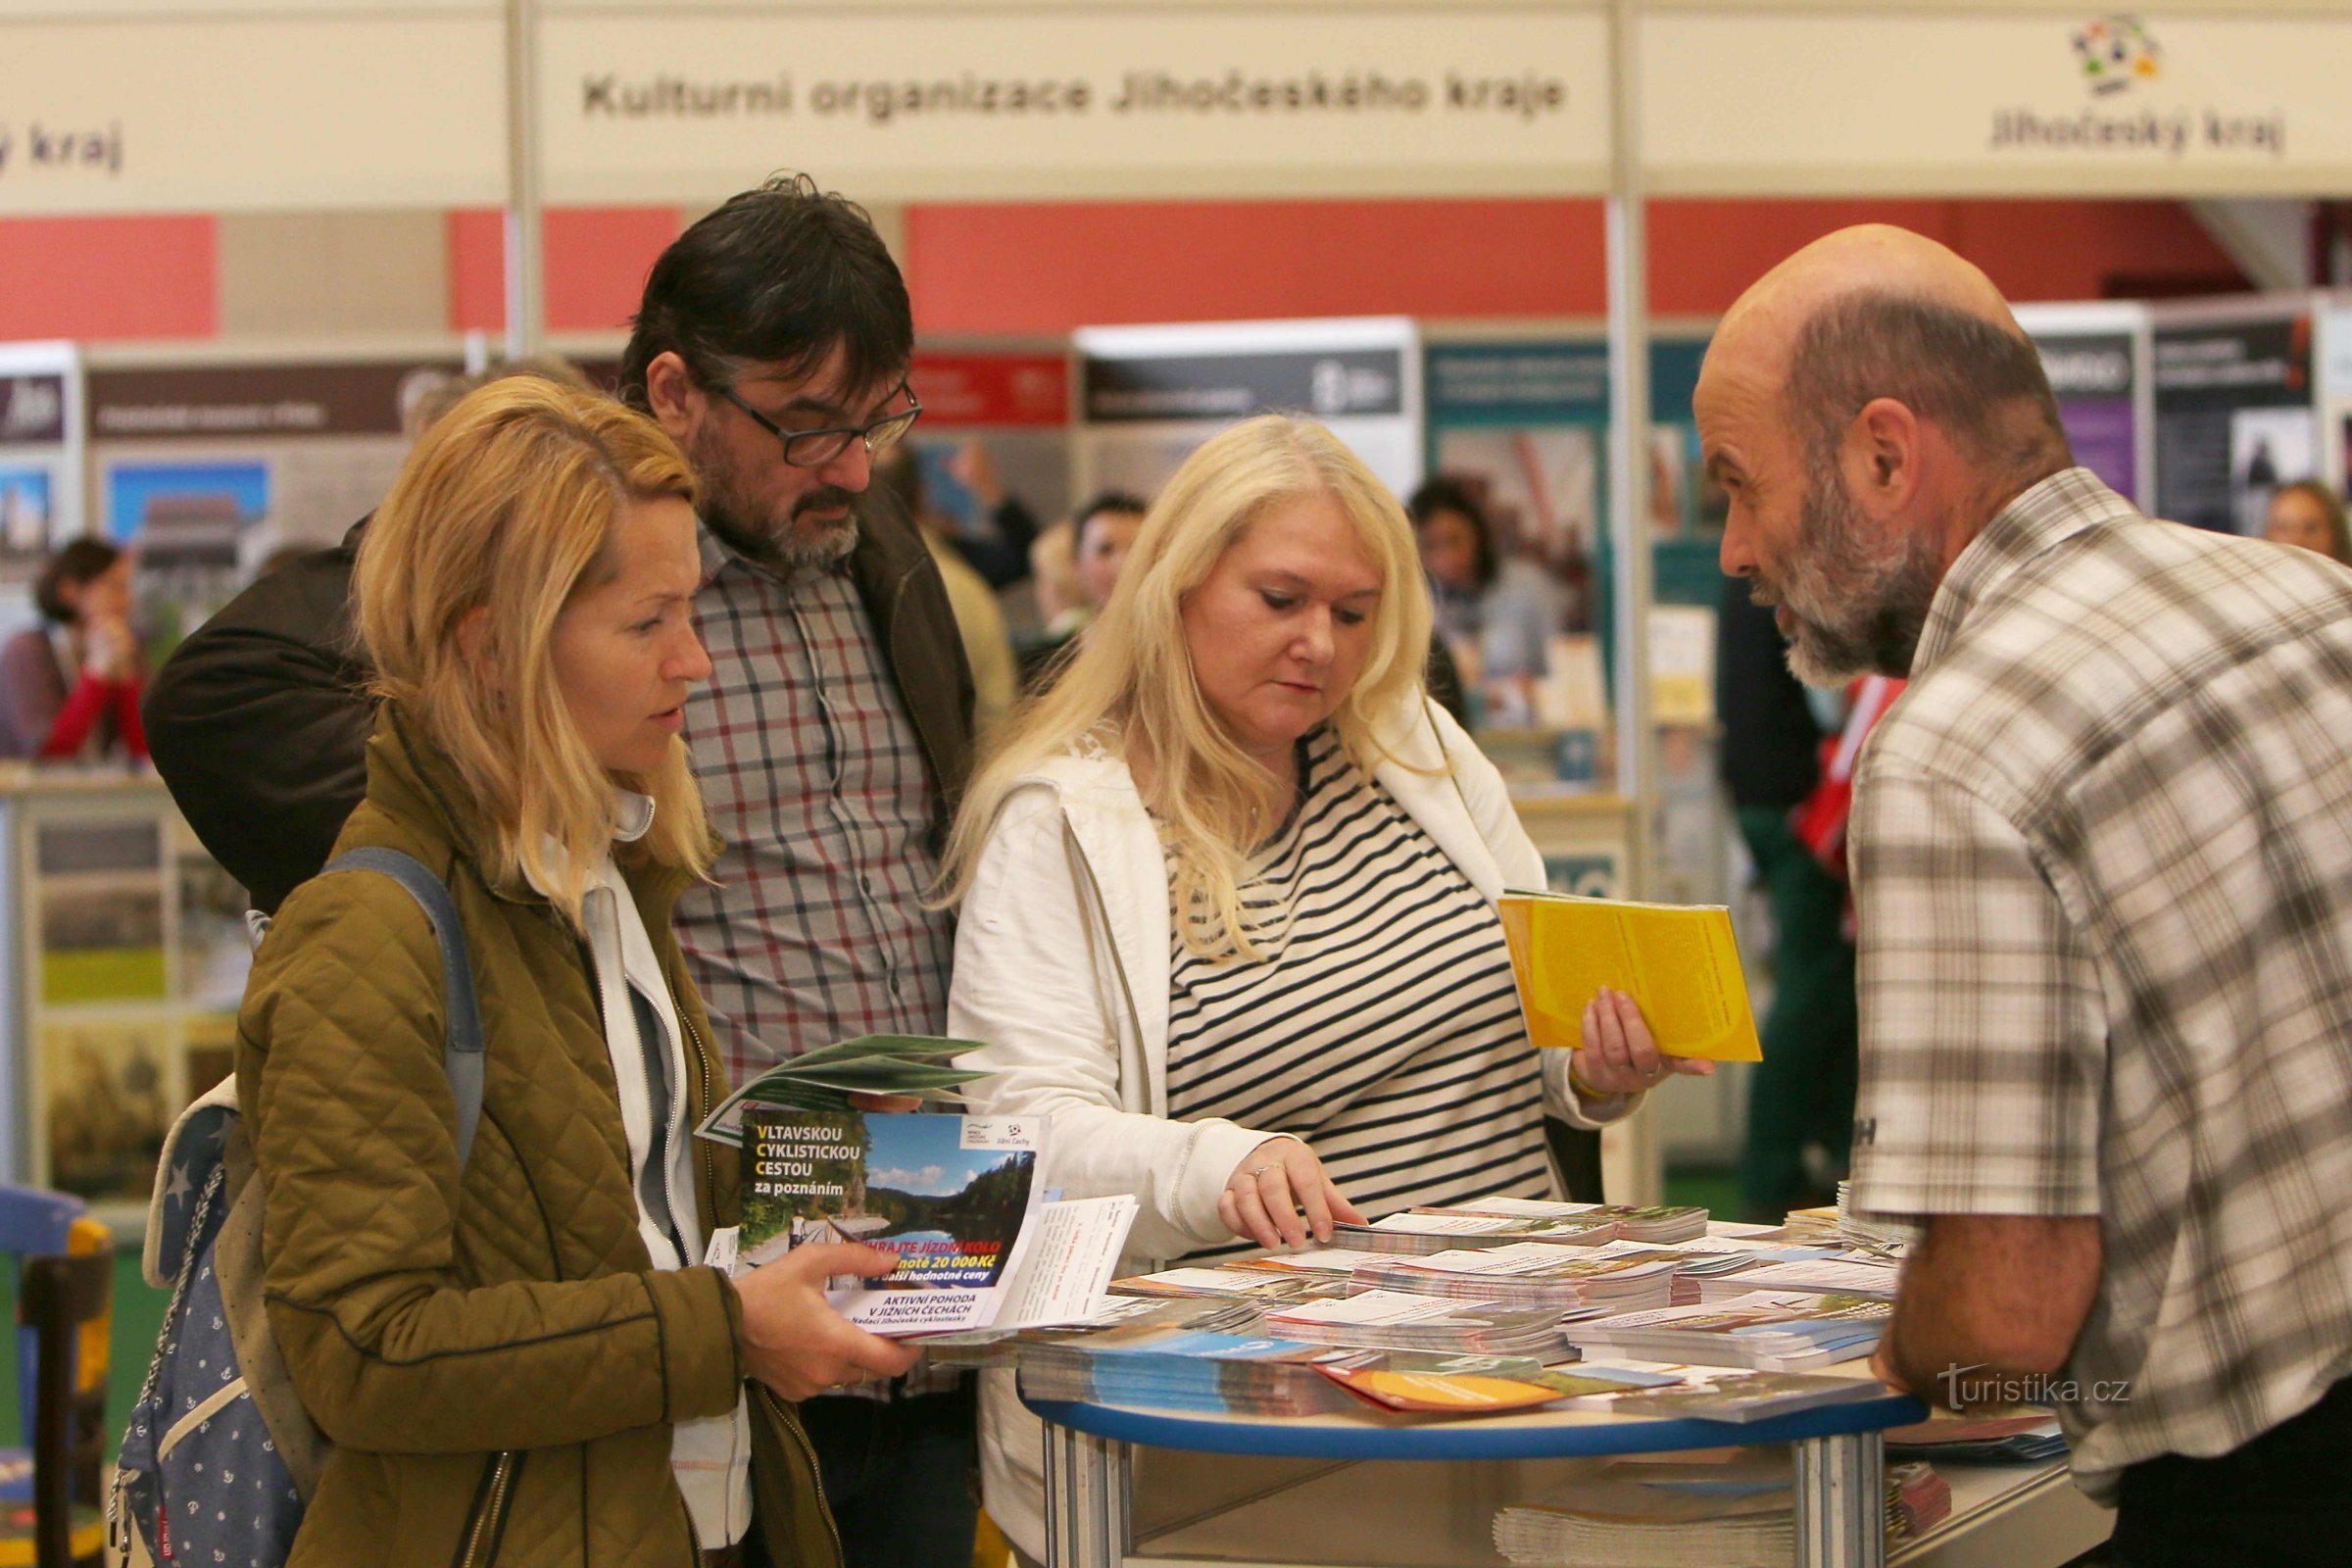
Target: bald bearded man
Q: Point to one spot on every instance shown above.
(2102, 857)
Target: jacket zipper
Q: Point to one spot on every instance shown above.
(702, 1078)
(1102, 911)
(487, 1525)
(816, 1472)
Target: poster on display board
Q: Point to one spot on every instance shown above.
(2096, 357)
(40, 467)
(208, 470)
(1149, 395)
(1522, 425)
(2235, 412)
(2336, 393)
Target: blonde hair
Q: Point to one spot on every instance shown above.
(507, 508)
(1131, 685)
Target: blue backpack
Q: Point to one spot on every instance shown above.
(220, 1457)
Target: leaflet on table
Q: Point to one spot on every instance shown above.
(953, 1195)
(1744, 1396)
(823, 1079)
(1819, 1276)
(1429, 1383)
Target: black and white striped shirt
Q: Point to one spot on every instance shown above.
(1381, 1026)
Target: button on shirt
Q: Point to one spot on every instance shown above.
(2103, 855)
(813, 774)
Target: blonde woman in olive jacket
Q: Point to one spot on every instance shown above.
(523, 1360)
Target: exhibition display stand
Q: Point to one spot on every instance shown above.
(1373, 1490)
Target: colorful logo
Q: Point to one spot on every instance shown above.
(2117, 51)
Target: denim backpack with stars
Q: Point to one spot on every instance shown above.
(221, 1458)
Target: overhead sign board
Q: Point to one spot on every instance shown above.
(1122, 101)
(1745, 101)
(375, 106)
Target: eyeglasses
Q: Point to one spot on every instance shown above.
(814, 449)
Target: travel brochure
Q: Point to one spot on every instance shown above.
(955, 1196)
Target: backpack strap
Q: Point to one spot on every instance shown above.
(461, 1053)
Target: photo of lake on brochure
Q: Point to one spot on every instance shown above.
(948, 1193)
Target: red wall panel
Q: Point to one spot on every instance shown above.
(1046, 268)
(597, 258)
(108, 277)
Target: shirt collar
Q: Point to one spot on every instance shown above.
(718, 555)
(2038, 521)
(633, 819)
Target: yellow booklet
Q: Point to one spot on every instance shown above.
(1679, 961)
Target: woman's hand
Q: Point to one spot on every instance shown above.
(112, 647)
(1619, 1055)
(1273, 1186)
(799, 1346)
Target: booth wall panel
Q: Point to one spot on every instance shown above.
(597, 258)
(316, 275)
(108, 277)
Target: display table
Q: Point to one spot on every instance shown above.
(1361, 1489)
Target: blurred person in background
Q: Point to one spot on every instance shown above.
(1228, 899)
(69, 687)
(979, 617)
(1497, 617)
(1098, 535)
(1801, 1094)
(2311, 517)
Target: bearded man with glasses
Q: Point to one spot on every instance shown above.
(830, 742)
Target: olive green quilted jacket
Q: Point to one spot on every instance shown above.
(491, 1351)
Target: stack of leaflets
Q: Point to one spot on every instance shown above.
(1314, 1265)
(1585, 1224)
(1872, 1233)
(1872, 1280)
(1744, 1395)
(1738, 1511)
(1477, 1385)
(1257, 1284)
(955, 1196)
(1430, 1230)
(1002, 1346)
(823, 1079)
(1184, 1369)
(1525, 1274)
(1967, 1440)
(1768, 1331)
(1391, 1320)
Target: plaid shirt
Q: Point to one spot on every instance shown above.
(816, 931)
(2103, 864)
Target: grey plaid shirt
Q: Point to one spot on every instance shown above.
(815, 930)
(2102, 852)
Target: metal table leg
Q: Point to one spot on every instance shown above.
(1840, 1512)
(1086, 1500)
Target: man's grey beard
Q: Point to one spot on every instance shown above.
(795, 549)
(788, 549)
(1860, 604)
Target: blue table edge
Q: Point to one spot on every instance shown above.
(1468, 1437)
